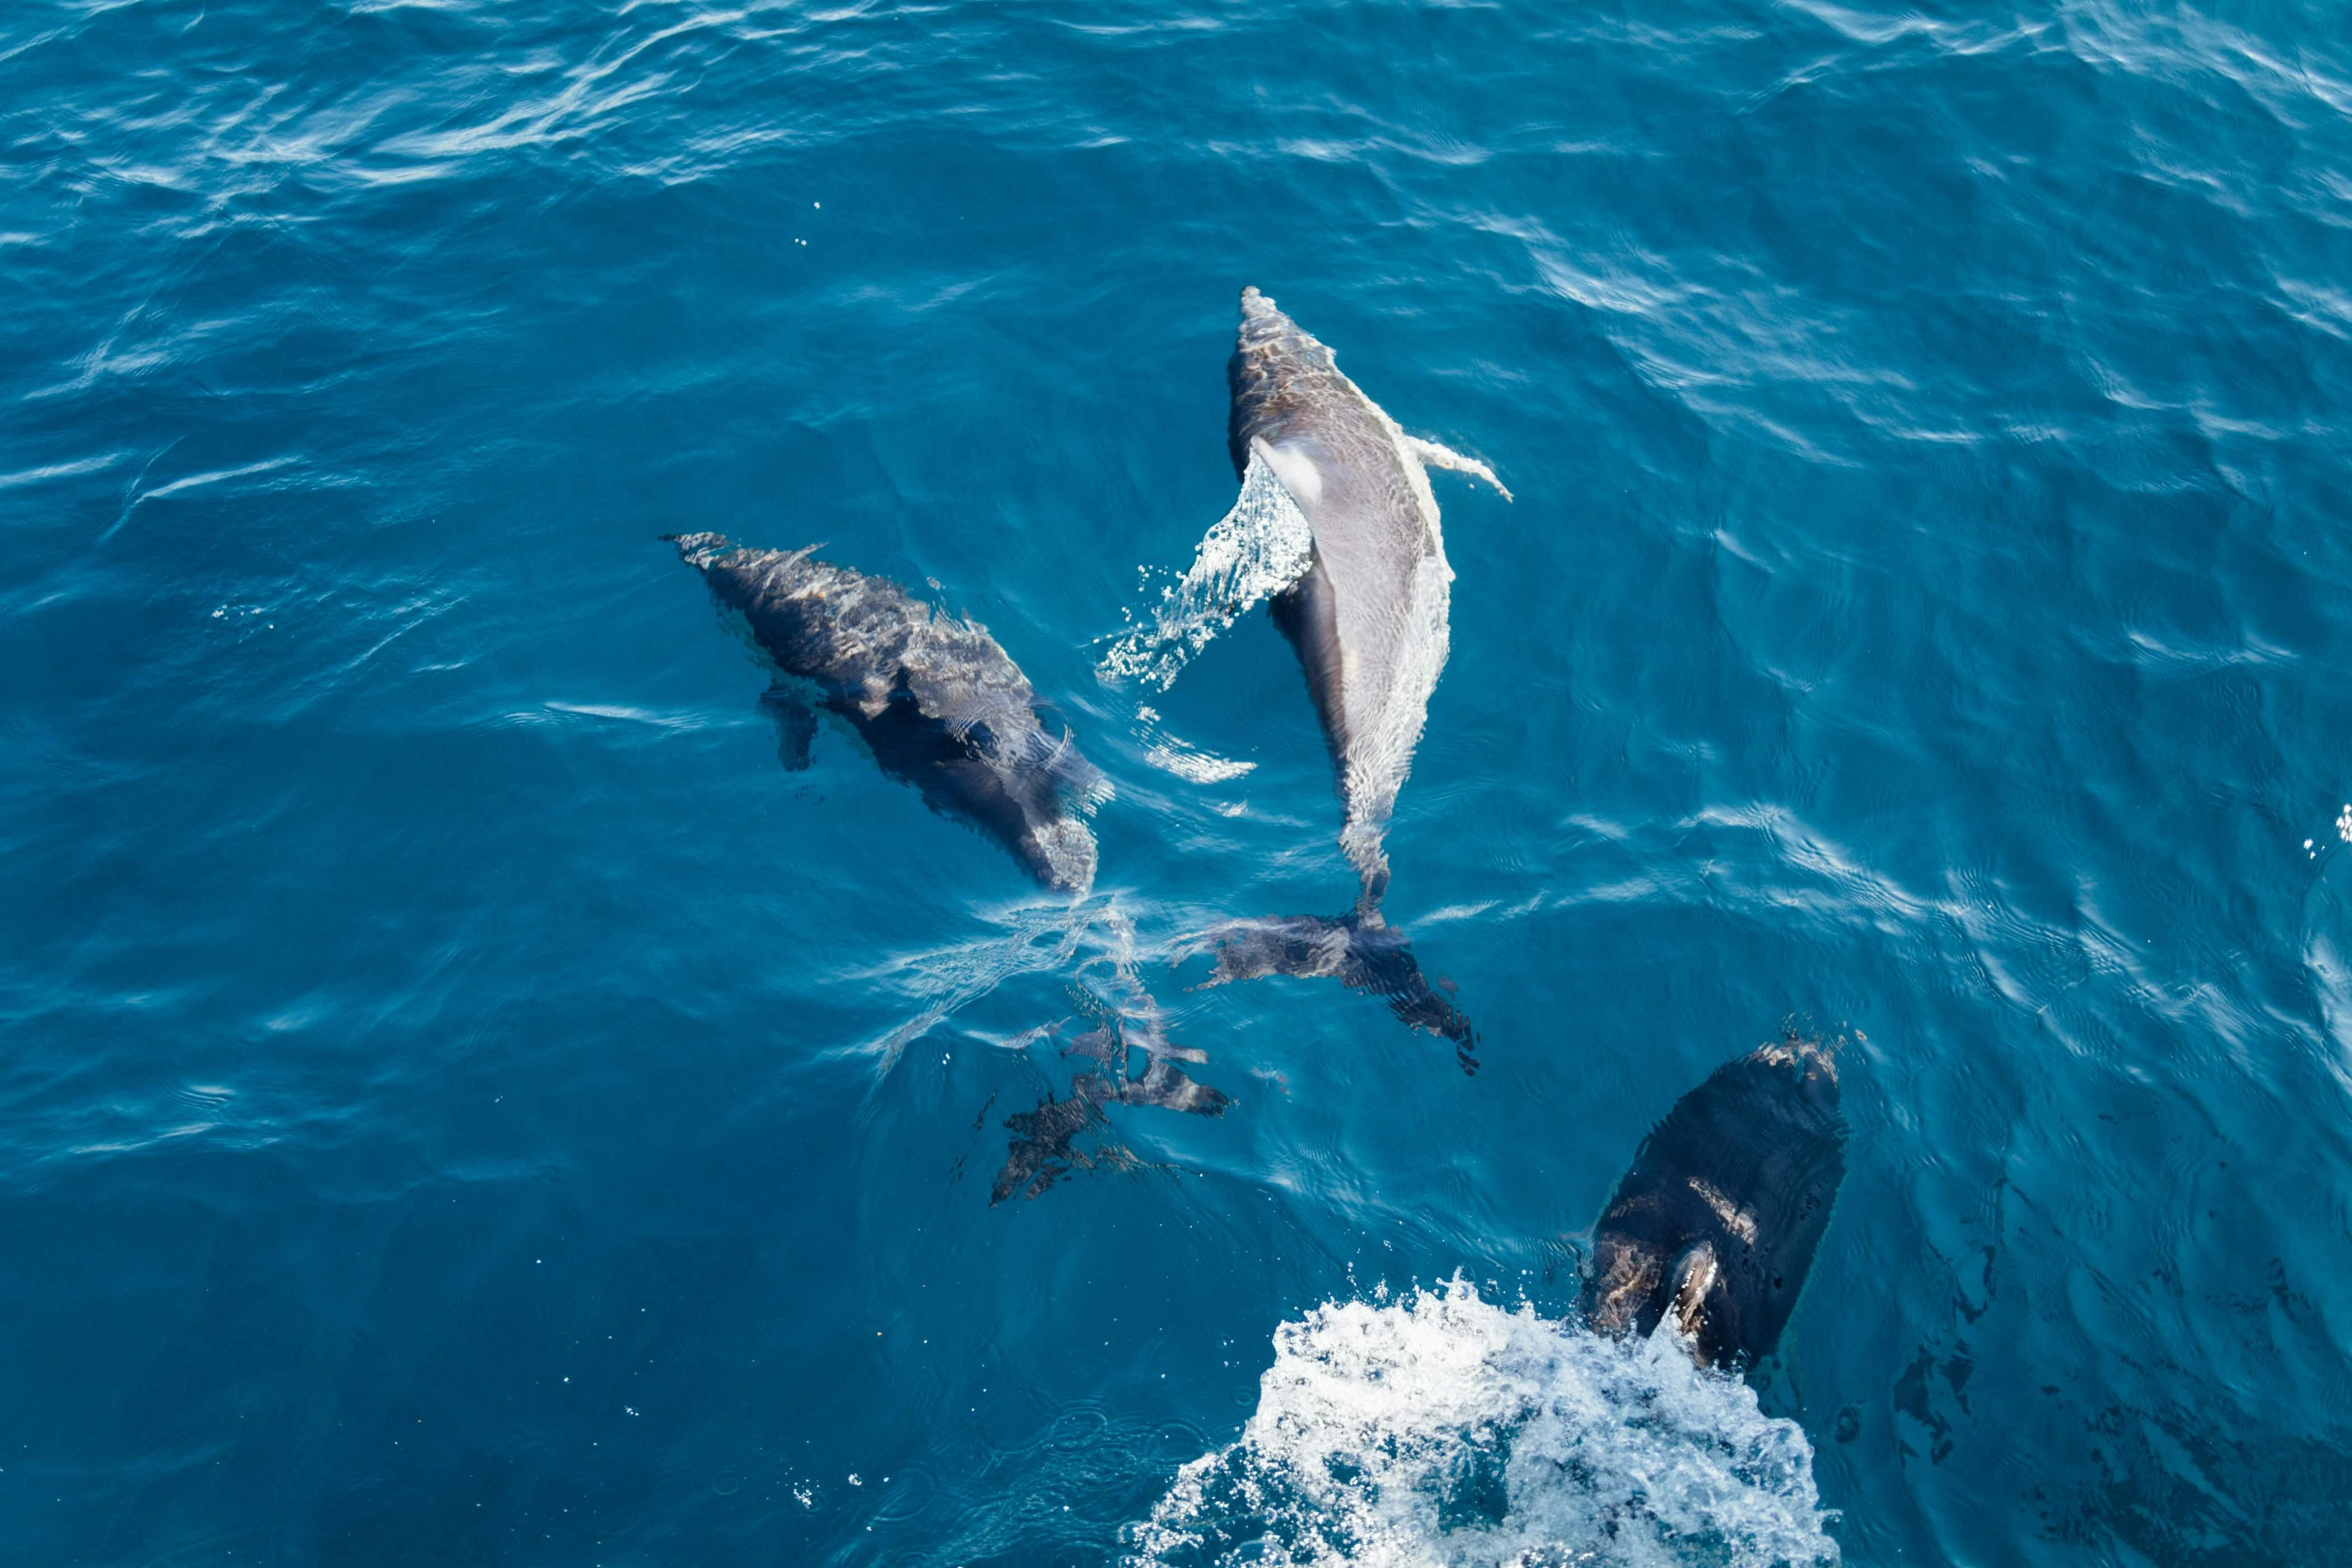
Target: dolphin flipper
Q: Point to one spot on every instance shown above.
(796, 725)
(1434, 456)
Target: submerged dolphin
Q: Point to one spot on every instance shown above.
(1367, 616)
(1717, 1222)
(936, 698)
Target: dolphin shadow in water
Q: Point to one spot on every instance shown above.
(1716, 1223)
(935, 698)
(1125, 1019)
(1044, 1148)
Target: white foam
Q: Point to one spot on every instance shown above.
(1443, 1429)
(1255, 552)
(1195, 766)
(1172, 754)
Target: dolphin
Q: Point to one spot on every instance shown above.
(935, 698)
(1367, 614)
(1716, 1223)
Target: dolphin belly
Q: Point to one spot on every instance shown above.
(1368, 617)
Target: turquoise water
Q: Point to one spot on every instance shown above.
(465, 1102)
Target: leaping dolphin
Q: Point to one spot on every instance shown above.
(1717, 1222)
(937, 700)
(1367, 612)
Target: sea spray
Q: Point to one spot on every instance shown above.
(1255, 552)
(1440, 1429)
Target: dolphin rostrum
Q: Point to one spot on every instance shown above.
(935, 698)
(1717, 1222)
(1366, 613)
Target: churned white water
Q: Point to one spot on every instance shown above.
(1255, 552)
(1441, 1429)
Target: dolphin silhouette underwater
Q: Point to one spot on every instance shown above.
(1366, 611)
(935, 698)
(1716, 1223)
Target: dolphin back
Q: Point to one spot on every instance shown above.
(1717, 1220)
(936, 700)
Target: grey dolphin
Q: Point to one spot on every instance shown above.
(1369, 618)
(935, 698)
(1717, 1222)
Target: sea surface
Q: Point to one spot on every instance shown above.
(465, 1102)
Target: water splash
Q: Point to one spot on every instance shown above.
(1443, 1429)
(1254, 552)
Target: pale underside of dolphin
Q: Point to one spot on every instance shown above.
(1336, 524)
(1368, 611)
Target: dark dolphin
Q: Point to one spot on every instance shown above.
(935, 698)
(1717, 1220)
(1368, 619)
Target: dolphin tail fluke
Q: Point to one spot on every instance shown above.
(1361, 951)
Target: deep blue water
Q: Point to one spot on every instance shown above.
(466, 1103)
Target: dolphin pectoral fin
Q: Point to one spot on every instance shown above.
(796, 725)
(1434, 456)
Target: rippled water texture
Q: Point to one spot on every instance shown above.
(465, 1101)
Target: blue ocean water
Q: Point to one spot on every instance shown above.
(466, 1103)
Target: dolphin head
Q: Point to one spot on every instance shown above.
(1280, 376)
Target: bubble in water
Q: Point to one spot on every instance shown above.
(1443, 1430)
